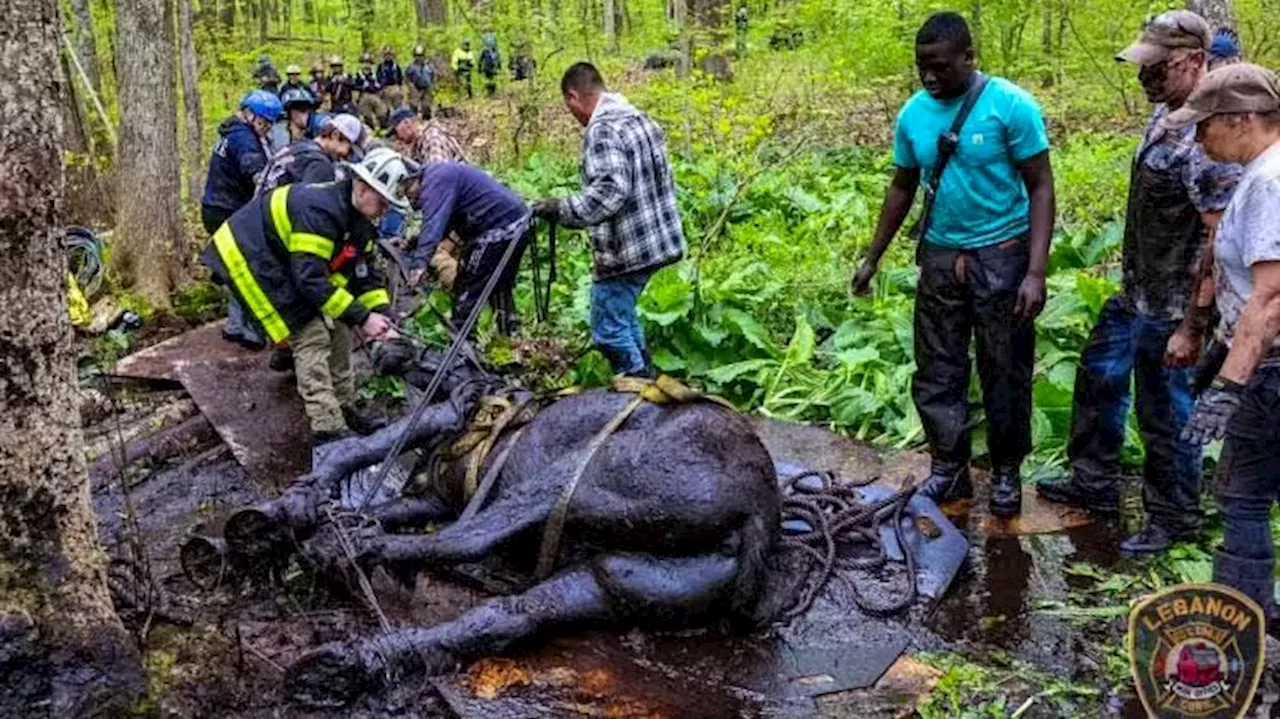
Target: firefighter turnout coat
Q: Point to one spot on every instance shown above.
(297, 253)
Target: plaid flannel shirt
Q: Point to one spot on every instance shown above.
(628, 200)
(435, 145)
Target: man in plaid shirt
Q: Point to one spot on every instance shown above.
(628, 203)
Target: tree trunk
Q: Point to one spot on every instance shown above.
(436, 12)
(228, 15)
(264, 22)
(191, 102)
(148, 235)
(364, 18)
(86, 47)
(63, 646)
(610, 27)
(1219, 13)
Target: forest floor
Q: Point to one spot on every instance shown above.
(1005, 640)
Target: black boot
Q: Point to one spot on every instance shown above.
(947, 481)
(1255, 578)
(1066, 490)
(281, 359)
(361, 423)
(1006, 493)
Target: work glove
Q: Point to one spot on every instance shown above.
(548, 210)
(1213, 411)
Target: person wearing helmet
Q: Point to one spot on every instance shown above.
(490, 63)
(389, 73)
(266, 75)
(367, 80)
(238, 156)
(298, 106)
(421, 77)
(317, 83)
(341, 87)
(299, 258)
(485, 217)
(293, 80)
(462, 63)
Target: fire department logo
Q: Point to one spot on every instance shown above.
(1196, 651)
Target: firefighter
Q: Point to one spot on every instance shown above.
(299, 259)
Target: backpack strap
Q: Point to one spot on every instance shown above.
(948, 142)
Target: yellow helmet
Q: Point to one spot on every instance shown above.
(336, 60)
(293, 70)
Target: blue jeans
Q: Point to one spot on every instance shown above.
(615, 328)
(1247, 482)
(1125, 343)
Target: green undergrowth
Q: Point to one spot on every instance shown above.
(998, 686)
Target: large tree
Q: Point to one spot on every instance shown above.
(61, 645)
(1219, 13)
(191, 104)
(148, 246)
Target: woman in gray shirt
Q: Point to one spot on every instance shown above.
(1237, 112)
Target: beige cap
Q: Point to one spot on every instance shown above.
(1230, 89)
(1166, 32)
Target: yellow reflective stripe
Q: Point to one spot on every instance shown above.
(248, 286)
(339, 280)
(311, 244)
(337, 303)
(280, 214)
(374, 298)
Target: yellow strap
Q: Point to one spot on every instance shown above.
(280, 214)
(337, 303)
(321, 247)
(665, 390)
(339, 279)
(248, 286)
(374, 298)
(559, 513)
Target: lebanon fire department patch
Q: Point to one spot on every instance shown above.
(1196, 651)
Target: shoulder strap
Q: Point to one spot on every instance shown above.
(947, 144)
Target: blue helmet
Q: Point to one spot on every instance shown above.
(263, 104)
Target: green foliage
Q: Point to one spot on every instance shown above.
(1000, 686)
(197, 301)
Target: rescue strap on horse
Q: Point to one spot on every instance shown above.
(434, 385)
(662, 391)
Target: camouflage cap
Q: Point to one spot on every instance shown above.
(1231, 89)
(1167, 32)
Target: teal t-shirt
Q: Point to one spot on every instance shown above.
(982, 199)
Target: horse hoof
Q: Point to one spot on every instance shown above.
(330, 676)
(252, 533)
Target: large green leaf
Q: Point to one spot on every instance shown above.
(750, 329)
(800, 349)
(730, 372)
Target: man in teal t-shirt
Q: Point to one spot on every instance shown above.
(982, 261)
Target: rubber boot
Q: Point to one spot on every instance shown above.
(1006, 493)
(1255, 578)
(947, 481)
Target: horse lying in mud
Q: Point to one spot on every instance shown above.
(670, 525)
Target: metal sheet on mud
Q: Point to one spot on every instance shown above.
(255, 410)
(162, 361)
(818, 449)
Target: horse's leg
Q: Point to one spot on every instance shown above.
(616, 588)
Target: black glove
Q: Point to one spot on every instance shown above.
(548, 210)
(1213, 411)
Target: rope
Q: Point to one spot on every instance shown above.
(84, 250)
(838, 515)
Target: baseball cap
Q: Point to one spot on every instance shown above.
(1166, 32)
(1230, 89)
(347, 126)
(399, 115)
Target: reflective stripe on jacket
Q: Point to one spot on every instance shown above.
(296, 253)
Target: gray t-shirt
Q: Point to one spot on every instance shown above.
(1249, 233)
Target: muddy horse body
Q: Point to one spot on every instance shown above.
(669, 525)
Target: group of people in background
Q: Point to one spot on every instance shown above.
(1194, 326)
(375, 90)
(303, 235)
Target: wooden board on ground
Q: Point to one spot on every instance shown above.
(815, 448)
(161, 361)
(255, 410)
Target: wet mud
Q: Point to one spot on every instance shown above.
(221, 652)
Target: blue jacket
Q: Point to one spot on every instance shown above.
(238, 156)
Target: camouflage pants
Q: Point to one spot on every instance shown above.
(422, 101)
(322, 363)
(372, 110)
